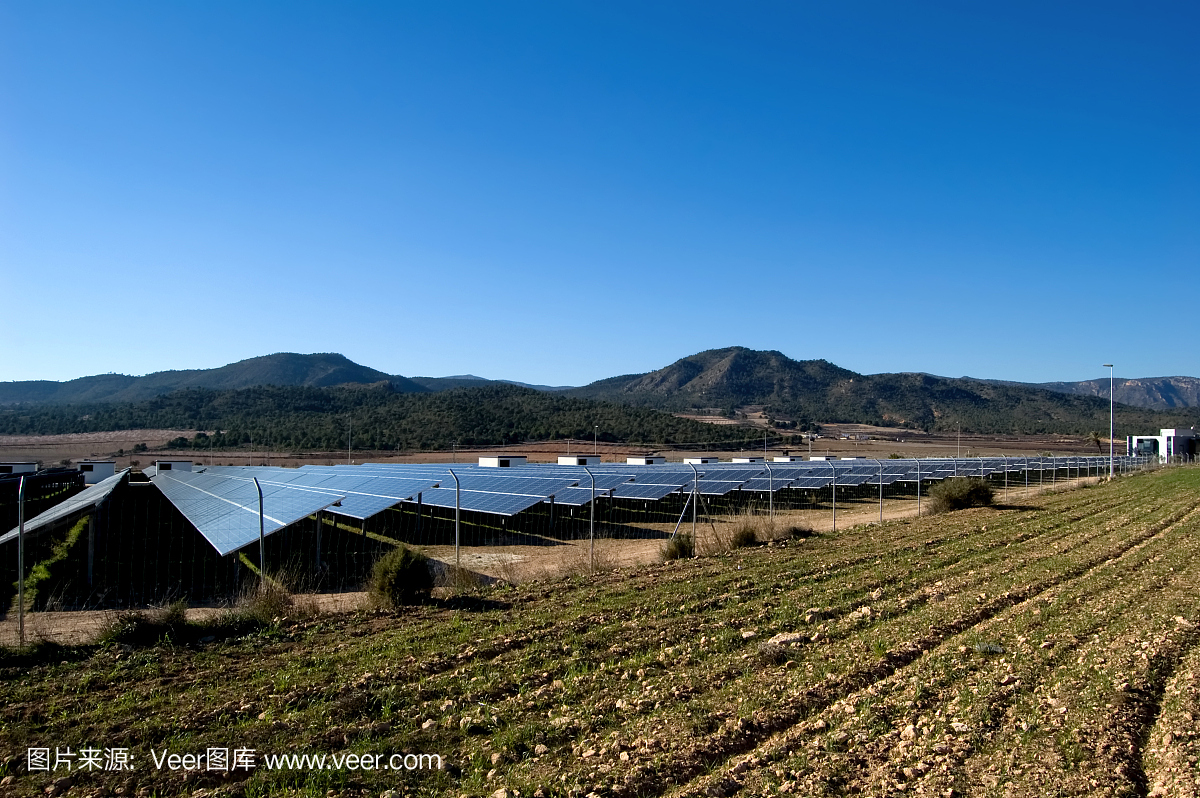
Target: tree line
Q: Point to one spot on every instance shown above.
(373, 417)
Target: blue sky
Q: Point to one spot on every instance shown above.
(561, 192)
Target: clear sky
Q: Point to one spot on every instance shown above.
(559, 192)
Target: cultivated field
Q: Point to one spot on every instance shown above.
(1047, 649)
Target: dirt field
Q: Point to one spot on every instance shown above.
(837, 439)
(1046, 649)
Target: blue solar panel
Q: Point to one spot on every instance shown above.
(225, 508)
(80, 502)
(481, 502)
(637, 490)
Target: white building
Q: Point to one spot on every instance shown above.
(645, 460)
(1169, 445)
(97, 470)
(700, 460)
(579, 459)
(173, 465)
(749, 459)
(788, 459)
(502, 461)
(18, 468)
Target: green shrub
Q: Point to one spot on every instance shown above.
(401, 576)
(680, 547)
(959, 493)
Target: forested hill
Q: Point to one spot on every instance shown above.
(283, 368)
(816, 391)
(302, 418)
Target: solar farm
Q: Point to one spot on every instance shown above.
(203, 534)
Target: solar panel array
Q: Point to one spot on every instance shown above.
(222, 503)
(82, 501)
(225, 509)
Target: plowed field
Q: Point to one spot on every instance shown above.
(1048, 650)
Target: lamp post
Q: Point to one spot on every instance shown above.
(1109, 366)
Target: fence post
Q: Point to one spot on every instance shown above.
(457, 553)
(262, 546)
(592, 523)
(880, 464)
(21, 561)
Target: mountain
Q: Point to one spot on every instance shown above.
(284, 368)
(805, 392)
(1159, 393)
(471, 381)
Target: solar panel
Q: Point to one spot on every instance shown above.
(576, 497)
(224, 508)
(482, 502)
(635, 490)
(84, 500)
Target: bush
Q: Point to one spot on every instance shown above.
(680, 547)
(743, 536)
(959, 493)
(400, 577)
(799, 532)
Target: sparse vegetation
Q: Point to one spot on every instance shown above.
(680, 547)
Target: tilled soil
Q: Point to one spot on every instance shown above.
(1049, 650)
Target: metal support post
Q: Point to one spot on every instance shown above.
(21, 562)
(592, 523)
(770, 491)
(880, 464)
(457, 553)
(262, 546)
(833, 468)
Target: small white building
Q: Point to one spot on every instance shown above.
(579, 459)
(645, 460)
(173, 465)
(749, 459)
(822, 457)
(1168, 445)
(856, 457)
(97, 470)
(503, 461)
(788, 459)
(18, 468)
(700, 460)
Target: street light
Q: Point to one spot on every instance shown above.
(1109, 366)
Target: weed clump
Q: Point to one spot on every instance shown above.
(680, 547)
(743, 536)
(138, 628)
(959, 493)
(400, 577)
(798, 532)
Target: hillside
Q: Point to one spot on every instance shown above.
(471, 381)
(304, 418)
(807, 392)
(283, 368)
(1159, 393)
